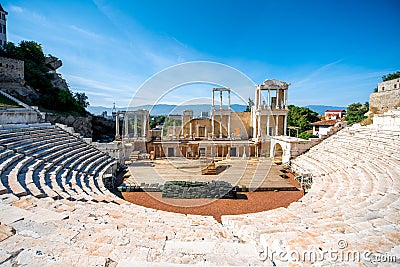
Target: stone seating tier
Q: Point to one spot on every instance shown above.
(355, 197)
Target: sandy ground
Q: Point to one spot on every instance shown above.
(248, 202)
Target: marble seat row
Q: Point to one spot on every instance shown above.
(48, 162)
(354, 197)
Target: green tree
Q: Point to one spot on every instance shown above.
(301, 117)
(306, 135)
(391, 76)
(355, 112)
(37, 76)
(82, 99)
(250, 103)
(156, 120)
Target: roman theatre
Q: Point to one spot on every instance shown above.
(61, 205)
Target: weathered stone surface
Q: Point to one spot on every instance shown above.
(189, 247)
(81, 125)
(11, 70)
(21, 91)
(6, 232)
(58, 82)
(53, 62)
(28, 233)
(4, 257)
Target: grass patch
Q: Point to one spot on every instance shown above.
(7, 103)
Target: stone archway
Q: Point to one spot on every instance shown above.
(277, 153)
(280, 150)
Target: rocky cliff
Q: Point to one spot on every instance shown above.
(96, 127)
(48, 90)
(82, 125)
(18, 87)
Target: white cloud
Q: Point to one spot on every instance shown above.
(85, 32)
(16, 9)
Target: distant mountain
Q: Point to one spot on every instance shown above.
(165, 109)
(320, 109)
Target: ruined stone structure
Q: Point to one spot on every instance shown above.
(270, 117)
(3, 26)
(224, 132)
(389, 85)
(387, 97)
(11, 70)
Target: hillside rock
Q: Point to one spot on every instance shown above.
(81, 125)
(21, 91)
(52, 62)
(58, 82)
(103, 129)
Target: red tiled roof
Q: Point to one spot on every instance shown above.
(335, 110)
(325, 123)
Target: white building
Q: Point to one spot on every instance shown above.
(3, 26)
(321, 128)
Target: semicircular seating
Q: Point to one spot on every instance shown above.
(40, 160)
(56, 211)
(355, 197)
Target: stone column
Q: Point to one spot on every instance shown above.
(117, 136)
(212, 126)
(276, 124)
(229, 125)
(220, 124)
(256, 97)
(191, 129)
(285, 126)
(126, 124)
(135, 126)
(182, 127)
(268, 132)
(269, 99)
(259, 126)
(286, 99)
(277, 99)
(174, 130)
(229, 99)
(144, 126)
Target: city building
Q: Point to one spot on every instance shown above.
(334, 114)
(3, 26)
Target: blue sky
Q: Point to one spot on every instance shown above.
(332, 52)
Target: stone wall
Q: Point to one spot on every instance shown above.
(11, 70)
(383, 101)
(389, 85)
(389, 120)
(18, 115)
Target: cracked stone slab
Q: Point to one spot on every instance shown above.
(12, 214)
(193, 247)
(4, 256)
